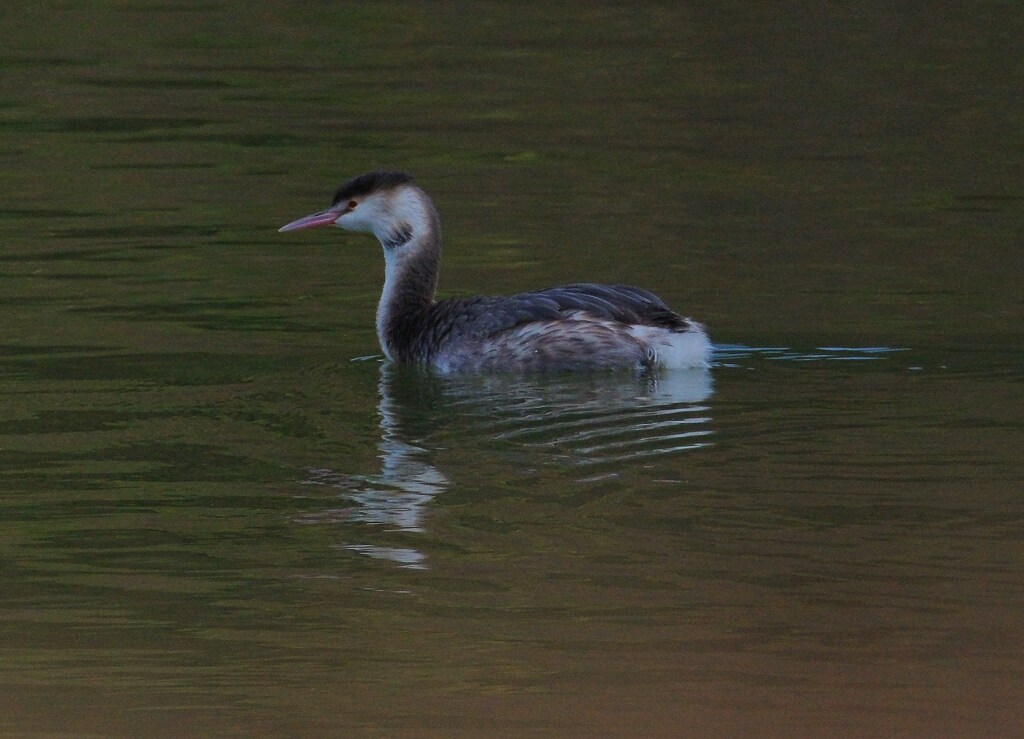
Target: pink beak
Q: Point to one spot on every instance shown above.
(317, 220)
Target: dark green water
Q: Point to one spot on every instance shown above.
(215, 521)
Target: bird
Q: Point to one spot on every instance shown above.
(577, 327)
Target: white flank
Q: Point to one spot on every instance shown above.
(676, 350)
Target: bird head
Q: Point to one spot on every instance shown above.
(384, 203)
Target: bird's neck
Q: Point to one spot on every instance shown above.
(412, 259)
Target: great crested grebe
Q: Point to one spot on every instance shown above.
(573, 327)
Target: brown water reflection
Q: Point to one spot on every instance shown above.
(213, 522)
(589, 420)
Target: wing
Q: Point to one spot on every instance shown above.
(619, 303)
(488, 316)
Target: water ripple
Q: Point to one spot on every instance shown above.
(586, 421)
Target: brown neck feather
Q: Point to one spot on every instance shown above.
(409, 287)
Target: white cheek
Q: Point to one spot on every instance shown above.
(412, 210)
(357, 220)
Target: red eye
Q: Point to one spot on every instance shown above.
(352, 204)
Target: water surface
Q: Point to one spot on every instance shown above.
(222, 514)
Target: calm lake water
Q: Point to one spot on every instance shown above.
(222, 515)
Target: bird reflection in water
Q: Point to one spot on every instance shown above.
(585, 420)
